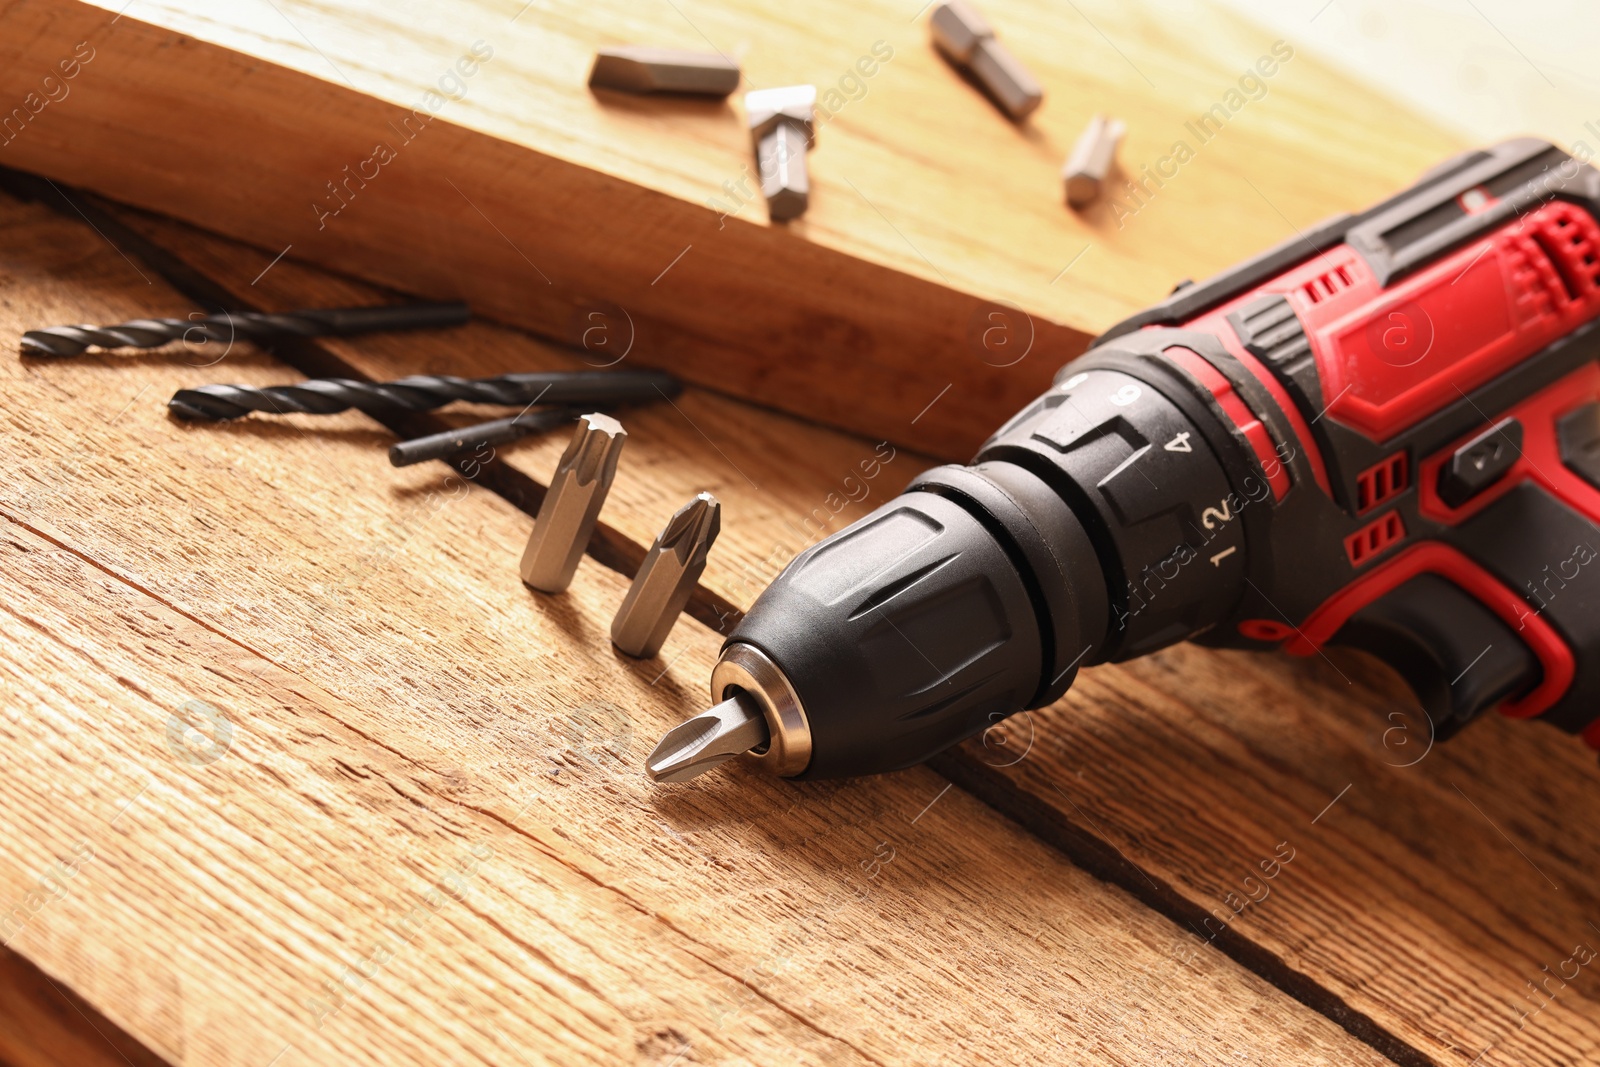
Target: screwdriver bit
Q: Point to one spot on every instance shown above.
(422, 392)
(572, 506)
(472, 438)
(666, 578)
(1086, 168)
(241, 325)
(967, 41)
(713, 737)
(783, 127)
(641, 69)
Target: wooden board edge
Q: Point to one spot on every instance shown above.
(820, 333)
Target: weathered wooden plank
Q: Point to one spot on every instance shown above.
(1444, 892)
(546, 204)
(427, 832)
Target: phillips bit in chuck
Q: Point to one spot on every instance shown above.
(782, 125)
(572, 506)
(730, 729)
(967, 41)
(666, 578)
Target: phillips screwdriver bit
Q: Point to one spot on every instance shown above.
(640, 69)
(713, 737)
(472, 438)
(422, 392)
(241, 325)
(967, 41)
(572, 506)
(783, 127)
(1086, 168)
(666, 578)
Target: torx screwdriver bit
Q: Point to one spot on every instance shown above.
(242, 325)
(471, 438)
(1086, 168)
(783, 127)
(572, 506)
(422, 392)
(666, 578)
(730, 729)
(641, 69)
(967, 40)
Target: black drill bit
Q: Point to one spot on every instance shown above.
(241, 325)
(423, 392)
(472, 438)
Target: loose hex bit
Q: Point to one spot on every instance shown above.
(639, 69)
(472, 438)
(782, 126)
(241, 325)
(422, 392)
(572, 506)
(1086, 168)
(666, 578)
(966, 40)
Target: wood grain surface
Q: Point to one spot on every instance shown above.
(937, 254)
(319, 781)
(1418, 872)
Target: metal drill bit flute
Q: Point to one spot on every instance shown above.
(782, 125)
(572, 506)
(241, 325)
(666, 578)
(423, 392)
(472, 438)
(640, 69)
(1086, 169)
(967, 41)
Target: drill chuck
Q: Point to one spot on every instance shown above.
(973, 595)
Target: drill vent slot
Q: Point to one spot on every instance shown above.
(1323, 286)
(1382, 481)
(1377, 535)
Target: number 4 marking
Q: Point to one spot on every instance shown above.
(1180, 443)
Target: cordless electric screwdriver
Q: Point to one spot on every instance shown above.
(1383, 433)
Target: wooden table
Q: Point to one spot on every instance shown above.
(298, 771)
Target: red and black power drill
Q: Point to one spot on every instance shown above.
(1383, 433)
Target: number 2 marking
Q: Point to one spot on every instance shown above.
(1220, 515)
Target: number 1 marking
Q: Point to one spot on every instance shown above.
(1216, 561)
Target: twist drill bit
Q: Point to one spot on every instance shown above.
(422, 392)
(572, 506)
(472, 438)
(639, 69)
(730, 729)
(782, 126)
(1091, 160)
(241, 325)
(666, 578)
(967, 41)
